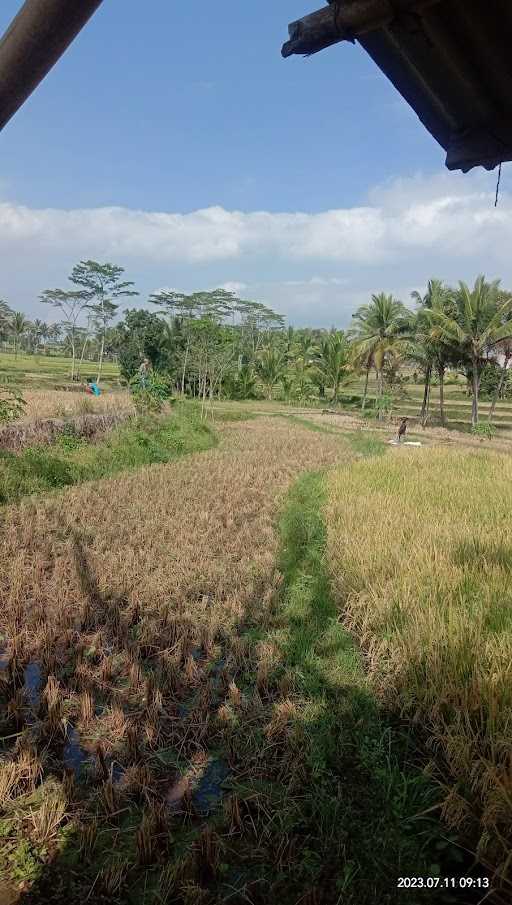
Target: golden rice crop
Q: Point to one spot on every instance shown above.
(420, 550)
(60, 404)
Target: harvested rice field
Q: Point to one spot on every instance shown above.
(186, 717)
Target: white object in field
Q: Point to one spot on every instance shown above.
(406, 443)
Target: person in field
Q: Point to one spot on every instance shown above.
(402, 429)
(143, 372)
(92, 388)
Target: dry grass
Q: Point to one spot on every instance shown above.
(19, 435)
(421, 555)
(62, 404)
(131, 593)
(197, 536)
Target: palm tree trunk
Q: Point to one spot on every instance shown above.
(365, 392)
(499, 388)
(441, 395)
(79, 371)
(185, 367)
(73, 354)
(426, 397)
(476, 392)
(100, 361)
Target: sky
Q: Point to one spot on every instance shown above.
(178, 144)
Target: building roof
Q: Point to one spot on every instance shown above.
(450, 59)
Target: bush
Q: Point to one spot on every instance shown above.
(12, 404)
(490, 380)
(384, 406)
(151, 393)
(485, 430)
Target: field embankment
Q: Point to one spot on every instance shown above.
(44, 432)
(73, 458)
(421, 557)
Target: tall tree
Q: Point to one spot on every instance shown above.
(379, 330)
(303, 355)
(270, 367)
(102, 284)
(19, 326)
(71, 303)
(5, 318)
(478, 325)
(430, 348)
(334, 361)
(142, 334)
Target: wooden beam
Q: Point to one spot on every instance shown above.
(344, 21)
(35, 40)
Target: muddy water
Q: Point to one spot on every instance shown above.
(205, 786)
(32, 677)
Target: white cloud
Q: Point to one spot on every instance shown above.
(406, 231)
(233, 286)
(445, 213)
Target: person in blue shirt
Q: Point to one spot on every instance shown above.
(93, 388)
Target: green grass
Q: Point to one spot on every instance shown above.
(362, 808)
(71, 461)
(39, 372)
(361, 441)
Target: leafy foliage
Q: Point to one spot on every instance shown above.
(12, 404)
(149, 395)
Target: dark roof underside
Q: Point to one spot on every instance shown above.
(451, 60)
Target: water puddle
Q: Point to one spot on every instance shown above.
(75, 757)
(209, 790)
(32, 678)
(216, 673)
(116, 772)
(204, 783)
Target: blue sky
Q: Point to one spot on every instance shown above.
(183, 147)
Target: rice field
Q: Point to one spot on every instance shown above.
(420, 555)
(42, 404)
(248, 674)
(127, 607)
(49, 371)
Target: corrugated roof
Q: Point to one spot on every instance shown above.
(450, 59)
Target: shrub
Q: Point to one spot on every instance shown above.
(384, 405)
(12, 404)
(150, 394)
(485, 430)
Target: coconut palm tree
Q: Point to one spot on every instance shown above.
(5, 317)
(380, 329)
(270, 367)
(430, 348)
(362, 360)
(18, 327)
(503, 350)
(333, 361)
(478, 324)
(302, 356)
